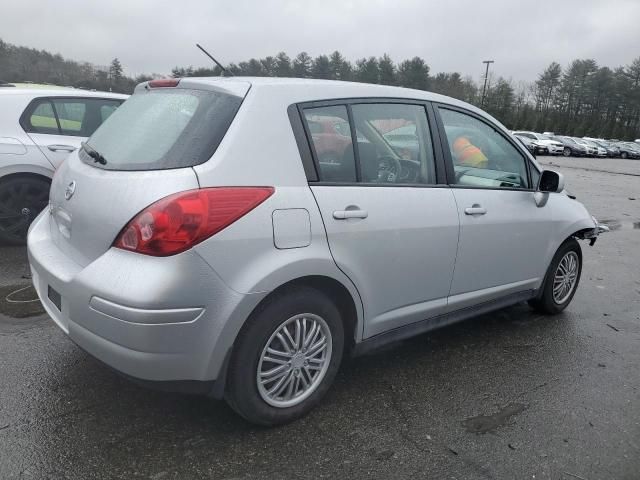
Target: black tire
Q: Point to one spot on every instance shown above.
(566, 152)
(545, 302)
(241, 390)
(624, 155)
(22, 198)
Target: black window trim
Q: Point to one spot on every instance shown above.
(447, 152)
(310, 161)
(35, 102)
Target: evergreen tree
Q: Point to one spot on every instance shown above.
(321, 67)
(302, 65)
(414, 73)
(367, 70)
(283, 65)
(387, 70)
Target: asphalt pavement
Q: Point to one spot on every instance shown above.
(510, 395)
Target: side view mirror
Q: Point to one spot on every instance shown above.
(550, 182)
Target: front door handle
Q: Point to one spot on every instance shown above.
(61, 148)
(345, 214)
(476, 209)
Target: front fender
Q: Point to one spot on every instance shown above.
(569, 217)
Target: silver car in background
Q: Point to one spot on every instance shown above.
(201, 242)
(39, 127)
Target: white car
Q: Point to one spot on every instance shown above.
(39, 127)
(554, 147)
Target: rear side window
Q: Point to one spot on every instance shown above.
(71, 115)
(392, 143)
(42, 119)
(78, 117)
(333, 149)
(164, 128)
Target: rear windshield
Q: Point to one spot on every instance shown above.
(164, 128)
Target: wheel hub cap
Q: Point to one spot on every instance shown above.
(294, 360)
(564, 280)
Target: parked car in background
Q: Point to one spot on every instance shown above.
(532, 145)
(554, 147)
(592, 150)
(39, 127)
(600, 151)
(628, 150)
(635, 147)
(611, 149)
(199, 241)
(570, 147)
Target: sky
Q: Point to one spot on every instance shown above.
(153, 36)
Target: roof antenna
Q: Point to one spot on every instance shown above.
(224, 70)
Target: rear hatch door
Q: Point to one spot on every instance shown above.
(145, 151)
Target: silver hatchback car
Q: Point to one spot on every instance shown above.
(237, 236)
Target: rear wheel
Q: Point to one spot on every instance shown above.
(561, 280)
(22, 198)
(566, 152)
(286, 357)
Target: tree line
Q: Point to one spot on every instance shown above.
(23, 64)
(582, 99)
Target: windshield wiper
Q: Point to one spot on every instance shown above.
(93, 153)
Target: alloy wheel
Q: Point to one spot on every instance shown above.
(564, 280)
(294, 360)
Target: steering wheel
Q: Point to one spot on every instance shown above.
(389, 169)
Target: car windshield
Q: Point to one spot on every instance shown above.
(162, 129)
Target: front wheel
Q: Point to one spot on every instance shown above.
(624, 155)
(566, 152)
(286, 357)
(561, 280)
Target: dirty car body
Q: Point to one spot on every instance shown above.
(199, 212)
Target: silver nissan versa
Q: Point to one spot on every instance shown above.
(237, 237)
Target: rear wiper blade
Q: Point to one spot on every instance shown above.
(93, 153)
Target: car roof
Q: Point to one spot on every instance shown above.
(316, 89)
(300, 90)
(55, 91)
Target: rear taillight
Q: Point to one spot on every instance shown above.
(180, 221)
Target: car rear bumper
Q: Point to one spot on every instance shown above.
(154, 319)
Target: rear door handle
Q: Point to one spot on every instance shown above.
(476, 209)
(345, 214)
(61, 148)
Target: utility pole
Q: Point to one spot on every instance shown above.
(486, 77)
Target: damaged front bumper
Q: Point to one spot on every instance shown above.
(592, 235)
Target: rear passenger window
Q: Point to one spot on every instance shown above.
(332, 144)
(42, 119)
(394, 144)
(78, 117)
(71, 113)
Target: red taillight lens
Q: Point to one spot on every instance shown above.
(164, 82)
(180, 221)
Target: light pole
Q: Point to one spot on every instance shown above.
(486, 76)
